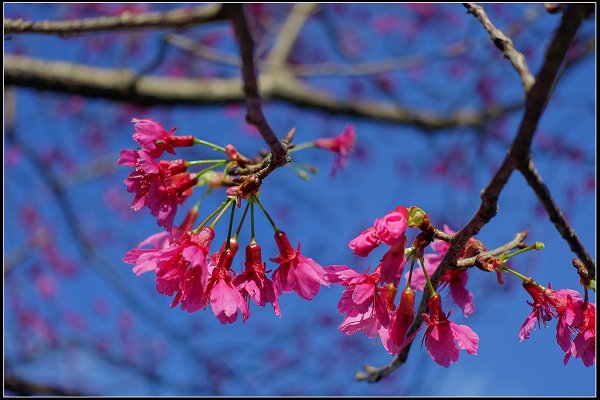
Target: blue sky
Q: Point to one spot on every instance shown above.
(303, 353)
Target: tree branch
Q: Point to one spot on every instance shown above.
(179, 18)
(288, 34)
(536, 100)
(534, 180)
(503, 43)
(126, 86)
(254, 114)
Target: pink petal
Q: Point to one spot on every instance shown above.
(466, 338)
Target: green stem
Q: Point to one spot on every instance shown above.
(535, 246)
(239, 228)
(422, 262)
(229, 202)
(252, 219)
(301, 146)
(515, 273)
(266, 214)
(228, 243)
(412, 264)
(223, 204)
(199, 174)
(209, 144)
(200, 162)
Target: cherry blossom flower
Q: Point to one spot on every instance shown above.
(181, 268)
(253, 283)
(393, 262)
(154, 139)
(225, 298)
(394, 339)
(567, 304)
(160, 186)
(296, 272)
(162, 240)
(342, 145)
(444, 338)
(541, 312)
(364, 243)
(390, 229)
(584, 344)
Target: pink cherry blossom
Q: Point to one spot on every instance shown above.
(394, 339)
(254, 283)
(541, 312)
(296, 272)
(393, 262)
(224, 297)
(584, 344)
(342, 145)
(160, 186)
(181, 268)
(567, 304)
(390, 229)
(444, 338)
(154, 139)
(364, 243)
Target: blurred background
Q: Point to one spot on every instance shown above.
(77, 319)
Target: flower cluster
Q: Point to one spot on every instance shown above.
(181, 257)
(369, 299)
(576, 325)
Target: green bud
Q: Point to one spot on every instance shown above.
(415, 217)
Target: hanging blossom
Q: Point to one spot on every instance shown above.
(154, 139)
(444, 338)
(159, 186)
(181, 268)
(394, 339)
(253, 283)
(296, 272)
(342, 145)
(362, 300)
(455, 280)
(224, 297)
(584, 344)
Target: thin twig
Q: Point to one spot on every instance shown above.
(505, 45)
(180, 18)
(534, 180)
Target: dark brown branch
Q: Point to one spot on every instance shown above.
(24, 387)
(536, 100)
(254, 114)
(534, 180)
(126, 86)
(503, 43)
(179, 18)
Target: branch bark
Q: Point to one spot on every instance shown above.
(503, 43)
(24, 387)
(180, 18)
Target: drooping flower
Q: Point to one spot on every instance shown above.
(541, 312)
(444, 338)
(296, 272)
(225, 298)
(362, 295)
(154, 139)
(584, 344)
(342, 145)
(160, 186)
(364, 243)
(181, 268)
(567, 304)
(393, 262)
(254, 283)
(394, 339)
